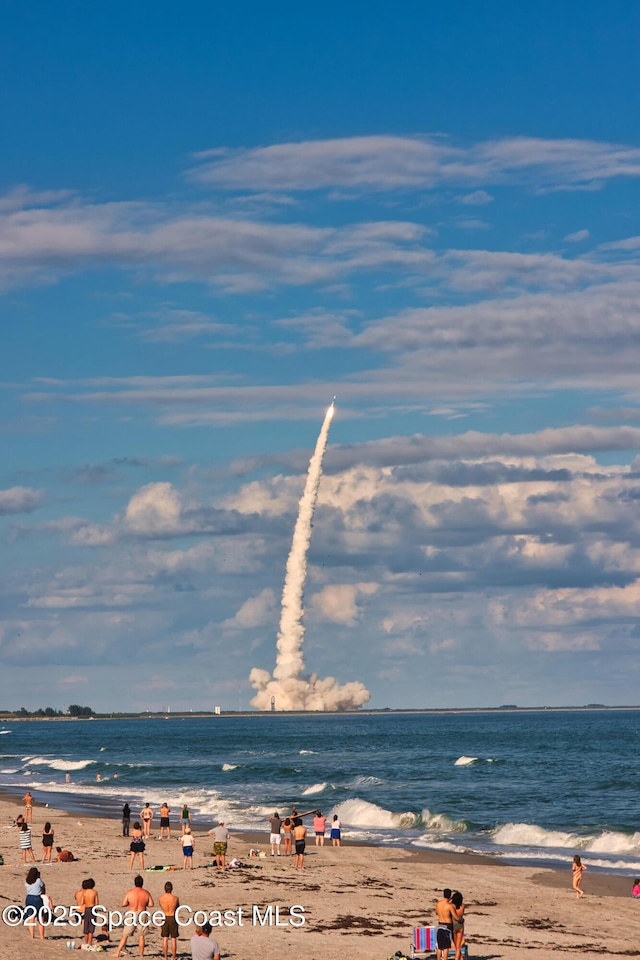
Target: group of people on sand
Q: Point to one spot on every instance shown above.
(147, 815)
(285, 833)
(141, 831)
(23, 824)
(135, 902)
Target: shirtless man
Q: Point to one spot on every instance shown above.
(146, 815)
(86, 899)
(165, 823)
(136, 900)
(444, 933)
(299, 834)
(169, 903)
(28, 807)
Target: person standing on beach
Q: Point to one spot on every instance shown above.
(577, 869)
(185, 818)
(126, 819)
(299, 835)
(86, 899)
(336, 831)
(275, 836)
(187, 849)
(147, 815)
(457, 912)
(137, 899)
(220, 836)
(47, 843)
(202, 948)
(137, 846)
(35, 888)
(28, 807)
(25, 843)
(169, 903)
(287, 828)
(165, 823)
(444, 933)
(319, 827)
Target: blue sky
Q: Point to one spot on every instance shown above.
(213, 220)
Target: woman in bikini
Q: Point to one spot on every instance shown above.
(137, 846)
(287, 827)
(577, 869)
(457, 914)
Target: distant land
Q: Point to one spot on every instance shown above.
(16, 716)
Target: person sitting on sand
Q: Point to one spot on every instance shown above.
(577, 869)
(64, 856)
(635, 890)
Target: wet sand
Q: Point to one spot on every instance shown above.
(358, 901)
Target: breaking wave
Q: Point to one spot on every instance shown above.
(317, 788)
(230, 766)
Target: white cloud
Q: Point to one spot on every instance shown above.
(578, 236)
(155, 509)
(19, 500)
(476, 199)
(392, 163)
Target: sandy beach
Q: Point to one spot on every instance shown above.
(359, 901)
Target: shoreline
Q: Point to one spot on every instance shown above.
(363, 899)
(108, 809)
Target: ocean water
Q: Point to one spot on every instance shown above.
(536, 786)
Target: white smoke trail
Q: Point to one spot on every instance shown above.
(293, 691)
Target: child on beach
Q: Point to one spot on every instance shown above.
(635, 891)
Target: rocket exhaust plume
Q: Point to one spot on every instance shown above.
(290, 687)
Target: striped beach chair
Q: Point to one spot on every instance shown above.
(424, 943)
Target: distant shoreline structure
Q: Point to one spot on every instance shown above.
(383, 711)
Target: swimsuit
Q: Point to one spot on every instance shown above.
(300, 845)
(169, 928)
(444, 935)
(164, 821)
(137, 845)
(47, 839)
